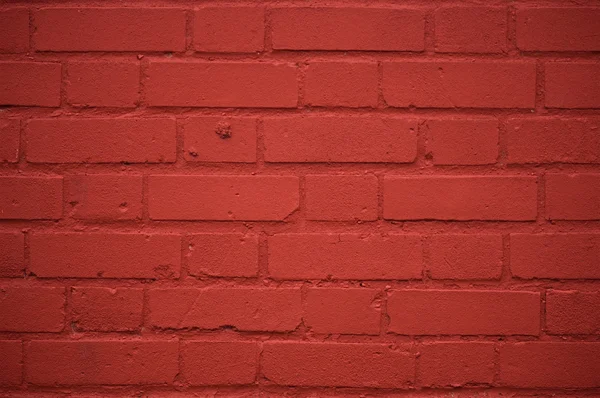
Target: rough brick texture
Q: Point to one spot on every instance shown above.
(449, 312)
(243, 309)
(71, 140)
(325, 198)
(12, 254)
(111, 84)
(29, 309)
(11, 362)
(105, 309)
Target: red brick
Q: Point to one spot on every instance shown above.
(228, 254)
(14, 30)
(465, 256)
(572, 85)
(572, 312)
(470, 29)
(464, 312)
(220, 362)
(109, 29)
(455, 364)
(463, 141)
(550, 364)
(348, 28)
(222, 84)
(350, 84)
(222, 197)
(343, 311)
(32, 309)
(96, 362)
(247, 309)
(101, 83)
(556, 256)
(105, 309)
(334, 364)
(72, 140)
(30, 83)
(558, 29)
(550, 140)
(104, 197)
(12, 255)
(339, 198)
(10, 133)
(573, 196)
(340, 139)
(11, 362)
(229, 29)
(102, 255)
(460, 198)
(344, 256)
(218, 139)
(459, 84)
(31, 198)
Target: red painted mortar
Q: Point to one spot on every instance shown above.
(283, 198)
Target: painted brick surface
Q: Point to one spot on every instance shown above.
(300, 199)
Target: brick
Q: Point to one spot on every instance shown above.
(217, 139)
(455, 364)
(222, 84)
(229, 29)
(335, 364)
(220, 362)
(11, 362)
(348, 28)
(553, 140)
(222, 197)
(460, 198)
(106, 310)
(10, 133)
(344, 256)
(465, 257)
(555, 256)
(96, 362)
(572, 312)
(246, 309)
(340, 139)
(464, 312)
(558, 29)
(109, 29)
(14, 30)
(112, 84)
(463, 141)
(459, 84)
(102, 255)
(31, 198)
(12, 255)
(32, 309)
(550, 364)
(343, 311)
(339, 198)
(67, 140)
(573, 196)
(349, 84)
(30, 83)
(470, 29)
(104, 196)
(226, 254)
(572, 85)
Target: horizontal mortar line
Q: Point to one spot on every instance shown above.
(183, 112)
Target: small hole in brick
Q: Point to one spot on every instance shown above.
(223, 130)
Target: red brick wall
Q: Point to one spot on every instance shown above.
(314, 199)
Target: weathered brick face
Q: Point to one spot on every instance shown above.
(313, 199)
